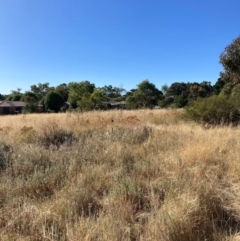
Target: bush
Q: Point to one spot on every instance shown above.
(214, 110)
(30, 108)
(52, 134)
(53, 101)
(4, 155)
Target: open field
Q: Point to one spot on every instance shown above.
(118, 175)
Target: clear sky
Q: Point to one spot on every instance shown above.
(117, 42)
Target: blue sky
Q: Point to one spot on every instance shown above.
(113, 42)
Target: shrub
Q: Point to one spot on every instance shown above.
(84, 203)
(133, 136)
(53, 101)
(51, 134)
(214, 110)
(4, 155)
(30, 108)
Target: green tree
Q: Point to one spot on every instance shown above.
(175, 96)
(53, 101)
(15, 95)
(92, 101)
(30, 108)
(217, 88)
(227, 89)
(4, 97)
(146, 96)
(179, 95)
(176, 88)
(180, 100)
(79, 94)
(31, 102)
(97, 98)
(40, 90)
(164, 89)
(112, 92)
(236, 90)
(63, 90)
(29, 96)
(166, 102)
(230, 59)
(201, 90)
(129, 93)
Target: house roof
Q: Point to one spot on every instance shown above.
(118, 103)
(12, 104)
(114, 103)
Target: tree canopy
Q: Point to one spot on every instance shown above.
(53, 101)
(29, 97)
(145, 96)
(63, 90)
(112, 92)
(79, 94)
(230, 59)
(2, 97)
(40, 90)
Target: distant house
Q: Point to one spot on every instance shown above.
(115, 104)
(40, 108)
(65, 106)
(11, 107)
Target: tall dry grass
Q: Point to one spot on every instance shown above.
(118, 175)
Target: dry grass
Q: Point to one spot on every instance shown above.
(118, 175)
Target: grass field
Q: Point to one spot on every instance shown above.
(118, 175)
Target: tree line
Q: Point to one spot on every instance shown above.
(86, 96)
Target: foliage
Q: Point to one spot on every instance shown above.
(30, 107)
(9, 98)
(92, 101)
(31, 102)
(2, 97)
(201, 90)
(230, 59)
(164, 89)
(179, 95)
(29, 97)
(217, 88)
(146, 96)
(53, 101)
(63, 90)
(96, 99)
(112, 92)
(40, 90)
(130, 92)
(180, 100)
(176, 89)
(14, 97)
(166, 102)
(236, 91)
(80, 93)
(227, 89)
(214, 110)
